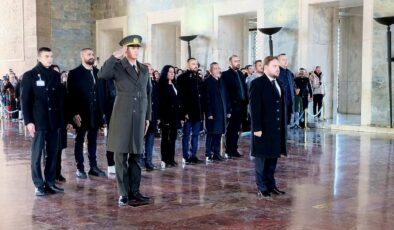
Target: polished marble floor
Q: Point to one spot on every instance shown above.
(334, 180)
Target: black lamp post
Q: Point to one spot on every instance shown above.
(388, 21)
(188, 39)
(270, 31)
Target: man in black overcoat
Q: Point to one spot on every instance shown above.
(189, 87)
(235, 84)
(215, 108)
(85, 94)
(43, 107)
(269, 126)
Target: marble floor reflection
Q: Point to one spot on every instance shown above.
(333, 180)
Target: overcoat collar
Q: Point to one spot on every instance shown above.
(130, 70)
(273, 87)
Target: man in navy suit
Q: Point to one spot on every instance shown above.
(269, 126)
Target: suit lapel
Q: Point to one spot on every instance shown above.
(272, 86)
(141, 70)
(129, 69)
(282, 91)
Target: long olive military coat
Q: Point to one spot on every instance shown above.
(132, 105)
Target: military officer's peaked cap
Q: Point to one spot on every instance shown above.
(131, 40)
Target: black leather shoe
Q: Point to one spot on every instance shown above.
(217, 158)
(81, 174)
(276, 191)
(95, 171)
(40, 191)
(171, 164)
(150, 166)
(196, 160)
(138, 197)
(236, 154)
(188, 161)
(123, 201)
(54, 189)
(61, 178)
(263, 194)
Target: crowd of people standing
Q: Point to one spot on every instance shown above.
(137, 103)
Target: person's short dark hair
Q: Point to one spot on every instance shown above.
(232, 56)
(257, 61)
(44, 49)
(247, 66)
(242, 69)
(281, 54)
(269, 59)
(302, 68)
(192, 58)
(212, 64)
(87, 48)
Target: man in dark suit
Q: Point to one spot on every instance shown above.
(42, 106)
(269, 126)
(215, 112)
(235, 84)
(85, 94)
(190, 114)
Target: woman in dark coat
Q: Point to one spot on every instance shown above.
(168, 115)
(215, 112)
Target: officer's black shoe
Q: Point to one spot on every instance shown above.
(276, 191)
(40, 191)
(61, 178)
(138, 197)
(263, 194)
(95, 171)
(81, 174)
(217, 157)
(54, 189)
(123, 201)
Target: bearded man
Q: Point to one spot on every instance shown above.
(85, 110)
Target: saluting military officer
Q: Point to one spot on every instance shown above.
(130, 117)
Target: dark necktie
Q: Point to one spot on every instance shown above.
(240, 86)
(135, 68)
(276, 89)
